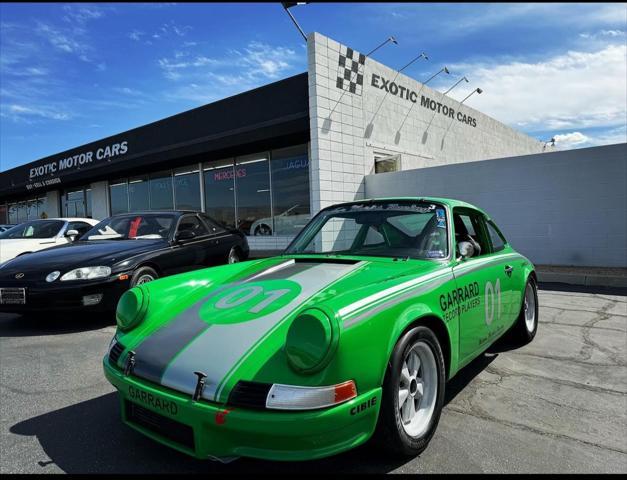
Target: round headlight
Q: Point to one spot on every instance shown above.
(131, 308)
(311, 341)
(52, 276)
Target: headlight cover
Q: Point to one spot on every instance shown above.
(311, 341)
(86, 273)
(131, 308)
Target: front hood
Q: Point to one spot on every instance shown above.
(218, 328)
(78, 254)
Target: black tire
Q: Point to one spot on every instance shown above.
(390, 433)
(520, 332)
(234, 255)
(140, 276)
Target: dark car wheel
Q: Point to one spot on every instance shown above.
(263, 230)
(234, 255)
(413, 393)
(143, 275)
(526, 324)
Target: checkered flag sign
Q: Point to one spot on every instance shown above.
(350, 71)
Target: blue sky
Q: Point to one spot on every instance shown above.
(74, 73)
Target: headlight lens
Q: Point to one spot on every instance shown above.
(86, 273)
(131, 308)
(311, 341)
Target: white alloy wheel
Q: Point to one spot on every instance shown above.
(417, 392)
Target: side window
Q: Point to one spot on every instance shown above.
(214, 227)
(498, 242)
(469, 227)
(373, 237)
(193, 223)
(80, 227)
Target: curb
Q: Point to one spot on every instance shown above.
(583, 279)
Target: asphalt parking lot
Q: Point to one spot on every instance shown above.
(558, 404)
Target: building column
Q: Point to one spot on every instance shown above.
(53, 204)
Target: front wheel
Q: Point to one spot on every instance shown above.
(234, 255)
(143, 275)
(263, 230)
(413, 393)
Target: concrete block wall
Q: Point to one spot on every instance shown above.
(559, 208)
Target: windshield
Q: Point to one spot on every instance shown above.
(34, 229)
(383, 229)
(137, 227)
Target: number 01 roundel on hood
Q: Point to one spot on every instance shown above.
(217, 332)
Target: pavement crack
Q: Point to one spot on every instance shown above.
(521, 426)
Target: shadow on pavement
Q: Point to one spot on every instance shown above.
(13, 325)
(89, 437)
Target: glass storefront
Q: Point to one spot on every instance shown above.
(76, 203)
(138, 194)
(161, 196)
(290, 201)
(253, 195)
(31, 209)
(187, 189)
(118, 194)
(261, 194)
(219, 183)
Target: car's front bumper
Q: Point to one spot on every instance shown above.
(59, 296)
(220, 432)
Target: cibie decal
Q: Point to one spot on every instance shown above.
(490, 301)
(243, 303)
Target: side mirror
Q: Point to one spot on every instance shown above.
(72, 234)
(184, 235)
(466, 250)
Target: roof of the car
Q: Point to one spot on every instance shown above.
(65, 219)
(444, 201)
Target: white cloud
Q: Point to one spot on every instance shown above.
(570, 140)
(257, 61)
(575, 90)
(603, 33)
(16, 111)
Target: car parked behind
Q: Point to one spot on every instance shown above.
(118, 253)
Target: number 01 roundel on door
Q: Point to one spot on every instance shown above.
(243, 303)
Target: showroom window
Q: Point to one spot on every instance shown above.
(31, 209)
(76, 203)
(138, 194)
(118, 196)
(253, 194)
(219, 183)
(290, 201)
(161, 195)
(187, 189)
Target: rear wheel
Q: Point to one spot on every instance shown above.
(143, 275)
(526, 325)
(413, 393)
(263, 230)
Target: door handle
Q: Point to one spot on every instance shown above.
(508, 270)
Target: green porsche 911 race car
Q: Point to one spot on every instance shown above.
(351, 333)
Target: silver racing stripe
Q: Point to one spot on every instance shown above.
(154, 354)
(220, 349)
(423, 287)
(479, 264)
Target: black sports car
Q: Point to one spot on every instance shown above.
(118, 253)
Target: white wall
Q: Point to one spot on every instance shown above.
(558, 208)
(347, 128)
